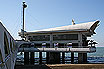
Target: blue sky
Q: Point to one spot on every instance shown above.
(42, 14)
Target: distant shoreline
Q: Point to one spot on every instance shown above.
(99, 46)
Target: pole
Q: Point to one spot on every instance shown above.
(24, 6)
(23, 19)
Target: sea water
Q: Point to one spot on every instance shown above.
(96, 57)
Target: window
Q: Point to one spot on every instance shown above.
(65, 37)
(6, 44)
(75, 45)
(39, 38)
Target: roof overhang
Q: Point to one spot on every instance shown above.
(88, 27)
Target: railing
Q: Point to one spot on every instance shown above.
(7, 58)
(7, 61)
(2, 65)
(57, 49)
(83, 49)
(36, 61)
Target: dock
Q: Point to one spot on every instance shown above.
(62, 66)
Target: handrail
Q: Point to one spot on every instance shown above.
(7, 58)
(2, 64)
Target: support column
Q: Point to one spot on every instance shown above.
(51, 41)
(32, 58)
(72, 57)
(40, 57)
(80, 58)
(63, 57)
(26, 58)
(47, 57)
(84, 57)
(54, 58)
(80, 40)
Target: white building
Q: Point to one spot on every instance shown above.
(76, 34)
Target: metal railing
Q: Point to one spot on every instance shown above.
(6, 63)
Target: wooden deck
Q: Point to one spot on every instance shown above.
(61, 66)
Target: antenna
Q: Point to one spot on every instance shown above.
(23, 28)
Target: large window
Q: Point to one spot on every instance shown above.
(39, 38)
(65, 37)
(6, 44)
(55, 37)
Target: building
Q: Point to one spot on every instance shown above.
(74, 35)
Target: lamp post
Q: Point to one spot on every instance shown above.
(69, 45)
(43, 45)
(94, 43)
(32, 45)
(23, 28)
(91, 42)
(56, 45)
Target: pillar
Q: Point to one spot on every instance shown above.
(72, 57)
(47, 57)
(63, 57)
(54, 58)
(40, 57)
(32, 58)
(80, 58)
(51, 41)
(84, 57)
(26, 58)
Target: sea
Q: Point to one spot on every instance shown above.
(96, 57)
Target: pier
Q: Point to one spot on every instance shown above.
(58, 40)
(71, 38)
(50, 59)
(52, 42)
(66, 39)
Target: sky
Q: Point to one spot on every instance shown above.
(43, 14)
